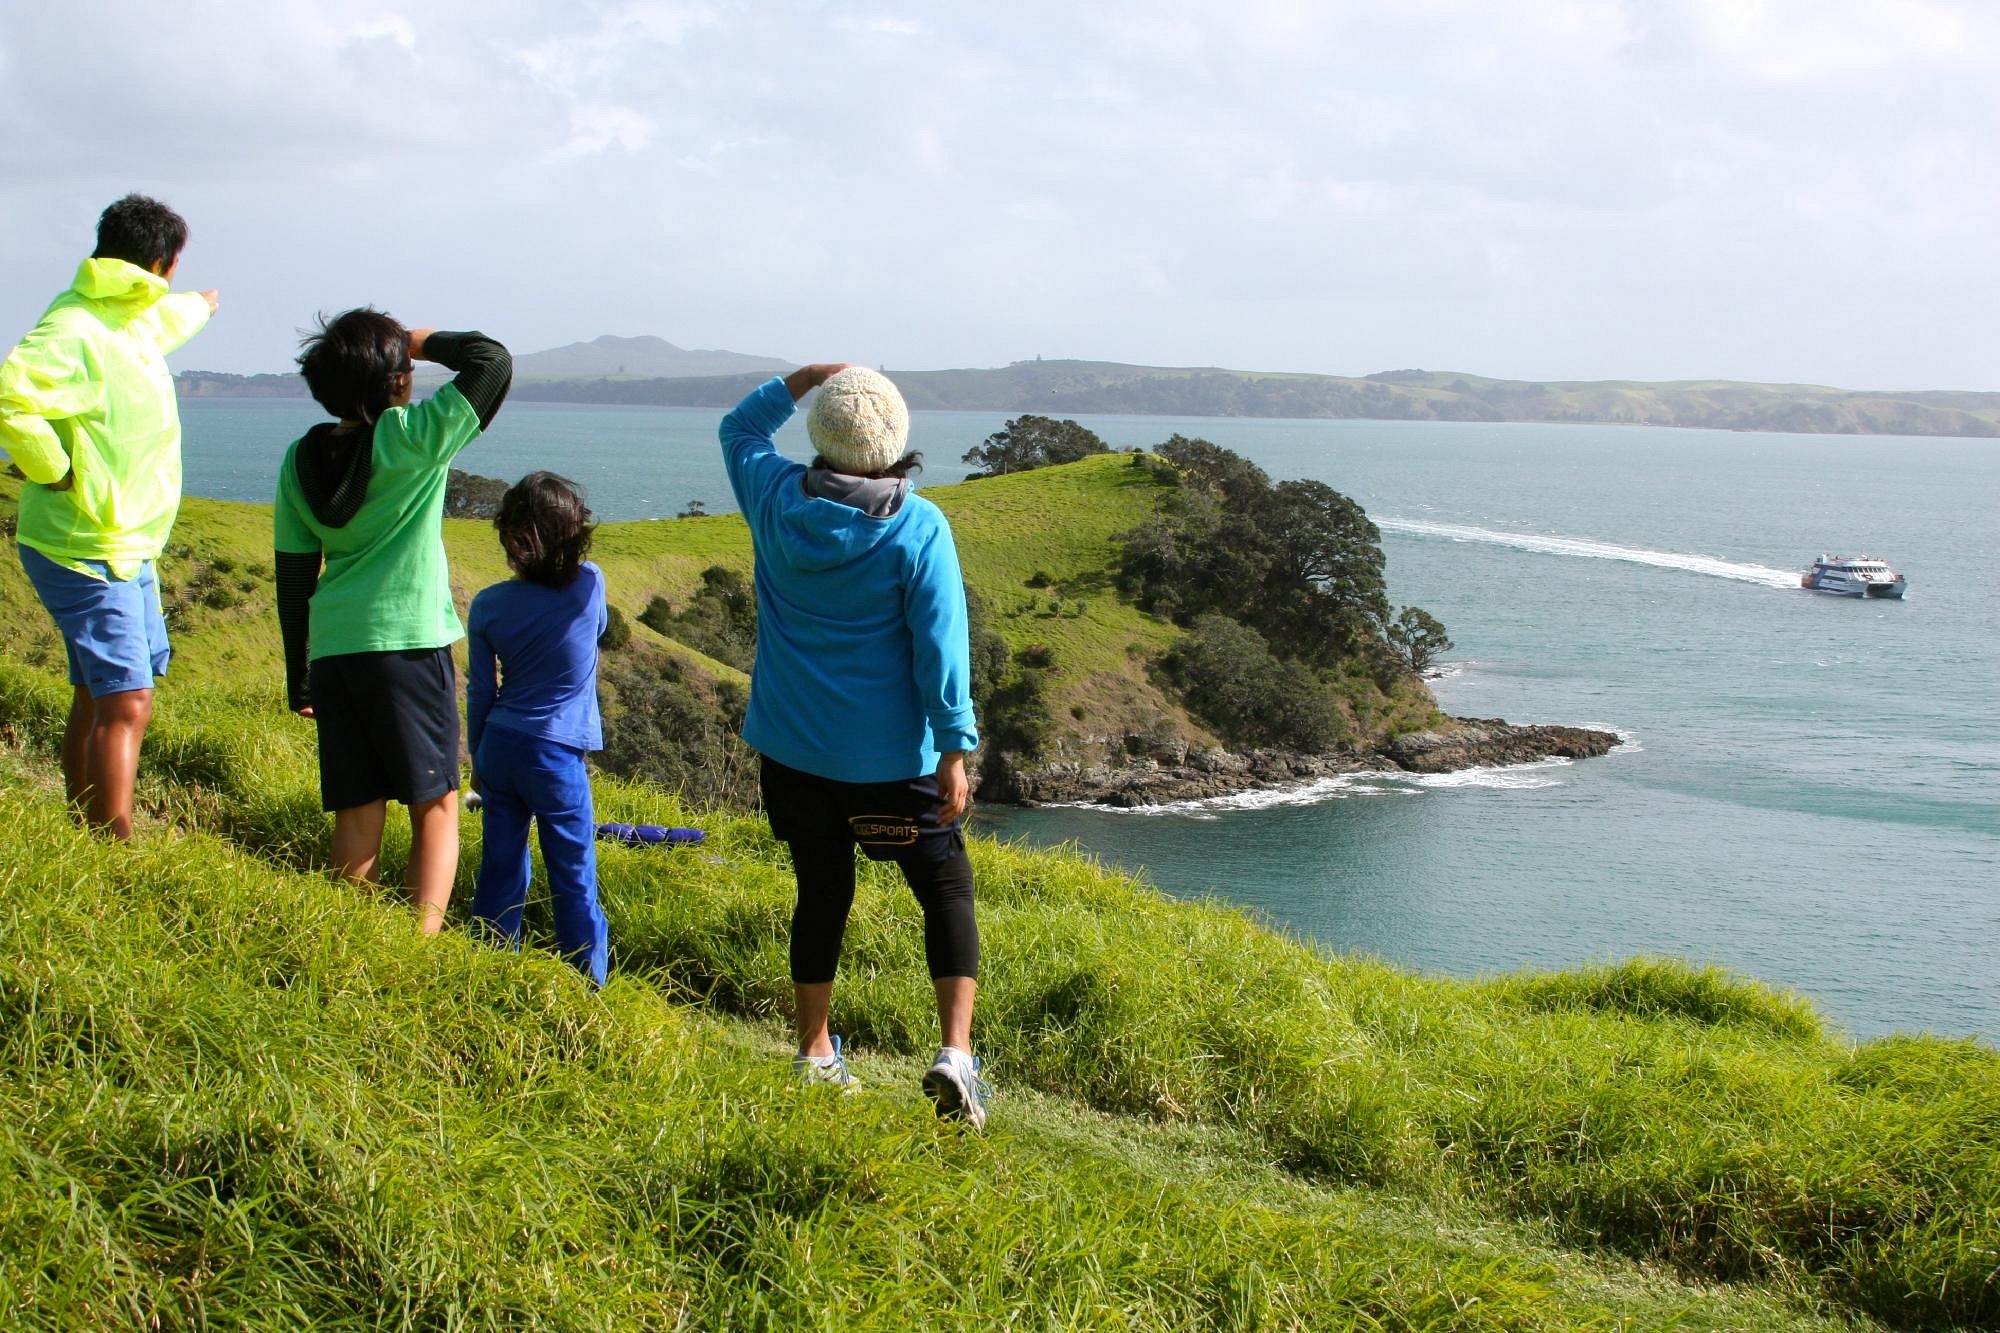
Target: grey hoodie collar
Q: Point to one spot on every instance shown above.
(877, 497)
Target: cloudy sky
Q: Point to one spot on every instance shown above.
(1775, 191)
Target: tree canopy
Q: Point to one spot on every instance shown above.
(1297, 561)
(1029, 442)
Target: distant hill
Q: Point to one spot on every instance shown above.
(1401, 395)
(608, 357)
(635, 371)
(643, 357)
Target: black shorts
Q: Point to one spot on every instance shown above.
(388, 726)
(893, 821)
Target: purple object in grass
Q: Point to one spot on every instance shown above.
(645, 835)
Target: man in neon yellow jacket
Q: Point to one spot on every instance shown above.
(87, 413)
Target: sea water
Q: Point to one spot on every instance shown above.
(1809, 788)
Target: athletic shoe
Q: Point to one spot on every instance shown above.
(828, 1071)
(954, 1086)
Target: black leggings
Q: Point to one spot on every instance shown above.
(825, 868)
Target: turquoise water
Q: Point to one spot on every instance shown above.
(1811, 790)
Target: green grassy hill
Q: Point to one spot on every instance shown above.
(234, 1093)
(1036, 545)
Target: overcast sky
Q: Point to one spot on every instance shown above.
(1769, 191)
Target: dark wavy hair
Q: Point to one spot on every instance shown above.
(141, 231)
(545, 528)
(350, 362)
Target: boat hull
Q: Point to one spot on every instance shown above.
(1841, 587)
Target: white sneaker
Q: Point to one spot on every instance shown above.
(828, 1071)
(955, 1088)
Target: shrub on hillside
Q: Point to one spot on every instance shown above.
(668, 725)
(1247, 696)
(1009, 693)
(469, 495)
(617, 630)
(720, 618)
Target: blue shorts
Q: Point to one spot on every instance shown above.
(112, 628)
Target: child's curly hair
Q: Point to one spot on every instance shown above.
(545, 528)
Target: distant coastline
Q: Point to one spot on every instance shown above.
(1101, 387)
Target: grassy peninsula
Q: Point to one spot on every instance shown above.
(238, 1094)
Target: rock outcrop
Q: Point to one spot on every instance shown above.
(1146, 774)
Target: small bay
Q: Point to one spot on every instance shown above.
(1810, 793)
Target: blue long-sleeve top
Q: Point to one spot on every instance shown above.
(863, 670)
(544, 641)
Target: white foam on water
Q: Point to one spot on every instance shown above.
(1588, 548)
(1513, 777)
(1336, 788)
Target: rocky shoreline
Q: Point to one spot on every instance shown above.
(1145, 774)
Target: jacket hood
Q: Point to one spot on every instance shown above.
(119, 283)
(820, 534)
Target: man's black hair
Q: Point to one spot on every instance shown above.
(545, 528)
(141, 231)
(351, 361)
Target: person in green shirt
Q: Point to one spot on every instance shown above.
(364, 595)
(87, 413)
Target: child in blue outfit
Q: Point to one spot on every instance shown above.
(530, 732)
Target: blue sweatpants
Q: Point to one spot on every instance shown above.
(520, 777)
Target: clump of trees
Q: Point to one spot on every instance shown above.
(1229, 677)
(1009, 692)
(720, 617)
(1029, 442)
(1281, 588)
(469, 495)
(669, 724)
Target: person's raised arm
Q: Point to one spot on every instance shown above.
(749, 449)
(807, 378)
(180, 315)
(485, 369)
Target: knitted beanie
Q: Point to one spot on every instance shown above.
(858, 422)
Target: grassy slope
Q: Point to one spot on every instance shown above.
(1057, 521)
(237, 1093)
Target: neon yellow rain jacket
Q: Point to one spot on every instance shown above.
(87, 394)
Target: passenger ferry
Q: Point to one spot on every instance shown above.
(1859, 576)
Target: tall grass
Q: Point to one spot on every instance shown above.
(1647, 1109)
(230, 1096)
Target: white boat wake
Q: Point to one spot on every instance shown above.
(1596, 550)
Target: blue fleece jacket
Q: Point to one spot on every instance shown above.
(864, 669)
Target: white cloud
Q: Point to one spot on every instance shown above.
(1568, 188)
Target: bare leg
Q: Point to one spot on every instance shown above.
(954, 1000)
(813, 1001)
(433, 858)
(76, 751)
(357, 840)
(111, 758)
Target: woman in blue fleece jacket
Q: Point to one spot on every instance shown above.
(860, 700)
